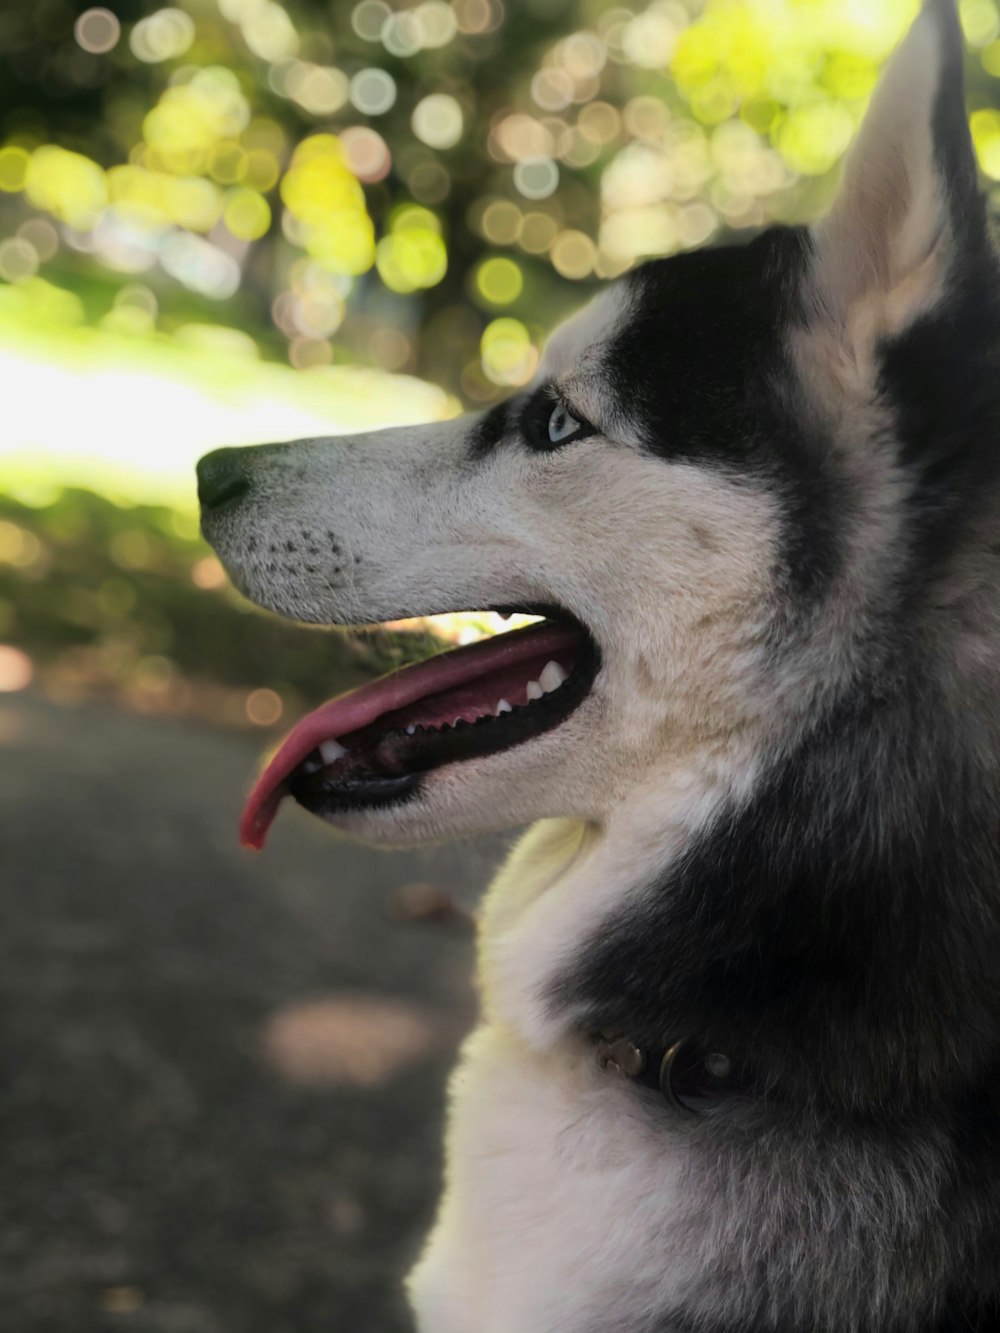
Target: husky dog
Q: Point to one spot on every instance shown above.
(738, 1069)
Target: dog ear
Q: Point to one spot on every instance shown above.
(909, 204)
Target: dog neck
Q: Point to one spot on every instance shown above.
(807, 913)
(566, 878)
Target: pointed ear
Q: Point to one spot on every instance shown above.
(909, 204)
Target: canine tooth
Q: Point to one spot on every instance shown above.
(411, 729)
(331, 752)
(552, 677)
(503, 707)
(534, 691)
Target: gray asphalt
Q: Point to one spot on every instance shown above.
(223, 1074)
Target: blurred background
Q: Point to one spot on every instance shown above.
(233, 221)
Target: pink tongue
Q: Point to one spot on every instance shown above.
(359, 708)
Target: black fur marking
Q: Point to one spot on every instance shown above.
(841, 930)
(945, 409)
(701, 361)
(953, 150)
(959, 1315)
(490, 429)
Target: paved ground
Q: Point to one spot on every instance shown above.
(222, 1074)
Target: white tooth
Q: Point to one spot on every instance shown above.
(455, 721)
(331, 752)
(552, 677)
(534, 690)
(411, 728)
(503, 707)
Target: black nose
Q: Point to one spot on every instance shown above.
(222, 477)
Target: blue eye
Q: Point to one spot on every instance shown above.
(562, 425)
(547, 423)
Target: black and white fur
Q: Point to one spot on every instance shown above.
(774, 820)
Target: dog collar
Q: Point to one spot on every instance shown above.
(691, 1077)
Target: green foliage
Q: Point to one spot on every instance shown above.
(423, 186)
(378, 184)
(124, 603)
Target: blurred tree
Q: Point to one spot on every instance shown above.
(452, 174)
(421, 186)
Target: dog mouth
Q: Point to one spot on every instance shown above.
(373, 746)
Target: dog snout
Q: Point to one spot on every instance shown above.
(223, 476)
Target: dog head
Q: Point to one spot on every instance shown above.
(729, 467)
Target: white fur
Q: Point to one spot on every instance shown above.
(556, 1180)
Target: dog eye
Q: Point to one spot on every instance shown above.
(547, 423)
(562, 426)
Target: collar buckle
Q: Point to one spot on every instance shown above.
(690, 1078)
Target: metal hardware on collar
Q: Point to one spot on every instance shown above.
(689, 1077)
(621, 1055)
(693, 1079)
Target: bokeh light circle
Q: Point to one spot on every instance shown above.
(413, 255)
(268, 30)
(980, 22)
(247, 214)
(319, 89)
(478, 16)
(646, 117)
(501, 222)
(583, 55)
(373, 91)
(573, 254)
(538, 231)
(552, 89)
(985, 126)
(227, 162)
(164, 35)
(264, 707)
(367, 153)
(401, 34)
(310, 353)
(600, 122)
(369, 18)
(507, 352)
(650, 39)
(536, 177)
(14, 163)
(18, 259)
(499, 281)
(437, 23)
(437, 120)
(16, 669)
(97, 31)
(40, 234)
